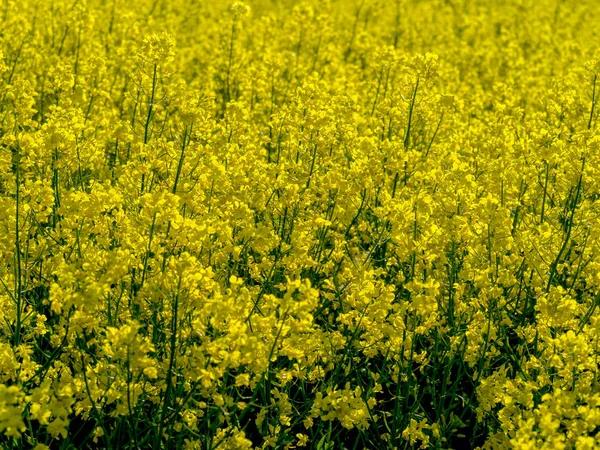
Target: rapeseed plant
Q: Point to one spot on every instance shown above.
(280, 224)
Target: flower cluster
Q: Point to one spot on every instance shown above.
(275, 224)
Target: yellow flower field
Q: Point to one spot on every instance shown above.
(321, 224)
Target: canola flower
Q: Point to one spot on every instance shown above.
(299, 224)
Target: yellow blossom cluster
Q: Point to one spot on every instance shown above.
(299, 223)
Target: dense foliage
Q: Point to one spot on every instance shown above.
(282, 224)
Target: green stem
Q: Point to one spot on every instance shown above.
(18, 277)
